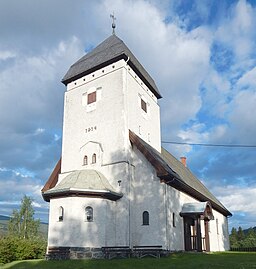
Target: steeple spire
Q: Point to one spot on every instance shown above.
(113, 23)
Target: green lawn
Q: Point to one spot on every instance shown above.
(210, 261)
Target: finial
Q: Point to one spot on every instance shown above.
(113, 23)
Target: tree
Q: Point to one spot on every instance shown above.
(240, 234)
(242, 238)
(233, 238)
(22, 222)
(250, 239)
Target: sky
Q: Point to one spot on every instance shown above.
(201, 55)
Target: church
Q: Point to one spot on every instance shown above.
(115, 189)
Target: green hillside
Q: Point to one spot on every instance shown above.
(43, 228)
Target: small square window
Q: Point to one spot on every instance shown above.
(91, 98)
(144, 105)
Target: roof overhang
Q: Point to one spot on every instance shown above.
(86, 183)
(113, 196)
(196, 210)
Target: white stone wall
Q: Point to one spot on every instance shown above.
(218, 232)
(161, 201)
(147, 196)
(145, 125)
(75, 230)
(103, 123)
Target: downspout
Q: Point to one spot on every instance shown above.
(130, 177)
(167, 217)
(130, 173)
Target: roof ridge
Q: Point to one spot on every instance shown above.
(95, 48)
(109, 51)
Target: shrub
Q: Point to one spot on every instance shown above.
(14, 248)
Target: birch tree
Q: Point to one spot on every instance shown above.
(22, 222)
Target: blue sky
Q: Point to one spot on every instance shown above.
(201, 55)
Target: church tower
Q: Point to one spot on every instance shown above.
(109, 97)
(108, 94)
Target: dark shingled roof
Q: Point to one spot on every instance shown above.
(109, 51)
(174, 173)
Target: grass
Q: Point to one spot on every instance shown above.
(234, 260)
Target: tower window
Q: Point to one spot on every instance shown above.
(173, 220)
(91, 98)
(145, 218)
(144, 105)
(61, 213)
(89, 213)
(94, 158)
(85, 160)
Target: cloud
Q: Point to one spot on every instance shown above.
(237, 30)
(240, 201)
(5, 55)
(31, 105)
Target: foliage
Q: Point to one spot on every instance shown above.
(232, 260)
(240, 239)
(15, 248)
(22, 223)
(23, 240)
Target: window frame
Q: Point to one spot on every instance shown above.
(144, 105)
(89, 214)
(94, 158)
(61, 213)
(91, 97)
(145, 218)
(85, 161)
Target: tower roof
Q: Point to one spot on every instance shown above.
(84, 183)
(109, 51)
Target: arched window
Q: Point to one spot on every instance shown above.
(89, 213)
(145, 218)
(94, 158)
(85, 160)
(61, 213)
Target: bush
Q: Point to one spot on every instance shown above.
(13, 248)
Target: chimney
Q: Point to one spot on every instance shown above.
(184, 161)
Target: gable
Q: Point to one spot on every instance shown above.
(53, 179)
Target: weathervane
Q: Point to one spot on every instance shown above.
(113, 23)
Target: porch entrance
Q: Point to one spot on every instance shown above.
(196, 217)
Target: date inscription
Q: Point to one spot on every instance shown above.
(90, 129)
